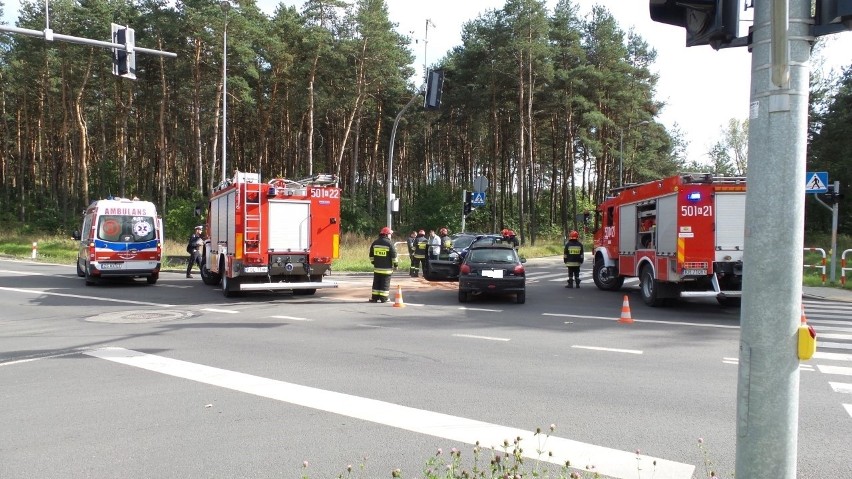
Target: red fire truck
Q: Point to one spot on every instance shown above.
(282, 234)
(681, 236)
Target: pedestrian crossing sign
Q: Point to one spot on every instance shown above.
(478, 198)
(817, 182)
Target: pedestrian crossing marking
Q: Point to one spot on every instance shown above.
(844, 388)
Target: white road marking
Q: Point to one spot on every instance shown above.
(79, 296)
(825, 344)
(612, 350)
(608, 318)
(832, 328)
(608, 462)
(848, 408)
(28, 359)
(844, 388)
(736, 361)
(481, 309)
(833, 336)
(291, 317)
(839, 370)
(473, 336)
(833, 356)
(226, 311)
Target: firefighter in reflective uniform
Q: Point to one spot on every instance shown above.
(384, 260)
(410, 242)
(573, 257)
(421, 247)
(446, 244)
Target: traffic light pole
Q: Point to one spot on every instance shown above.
(768, 380)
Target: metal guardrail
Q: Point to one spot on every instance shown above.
(843, 268)
(821, 265)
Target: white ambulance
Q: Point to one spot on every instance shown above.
(120, 238)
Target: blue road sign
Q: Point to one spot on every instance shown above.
(478, 198)
(817, 182)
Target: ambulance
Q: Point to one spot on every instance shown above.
(120, 238)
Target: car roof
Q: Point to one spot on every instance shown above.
(492, 246)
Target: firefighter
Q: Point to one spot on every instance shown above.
(510, 237)
(384, 260)
(446, 243)
(193, 246)
(573, 258)
(412, 243)
(421, 246)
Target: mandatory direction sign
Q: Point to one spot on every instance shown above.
(477, 198)
(817, 182)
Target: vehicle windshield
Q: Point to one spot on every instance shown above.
(487, 255)
(126, 228)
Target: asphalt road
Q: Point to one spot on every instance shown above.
(174, 380)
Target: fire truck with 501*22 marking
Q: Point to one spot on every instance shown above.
(682, 236)
(282, 234)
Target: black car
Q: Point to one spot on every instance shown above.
(446, 266)
(492, 269)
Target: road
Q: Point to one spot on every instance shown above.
(174, 380)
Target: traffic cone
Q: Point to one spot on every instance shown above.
(804, 319)
(397, 302)
(625, 312)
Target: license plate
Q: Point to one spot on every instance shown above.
(496, 273)
(111, 265)
(256, 269)
(695, 272)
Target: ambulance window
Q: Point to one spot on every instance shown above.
(110, 228)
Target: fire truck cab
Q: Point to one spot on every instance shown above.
(682, 236)
(280, 234)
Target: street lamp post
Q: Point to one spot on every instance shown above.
(621, 150)
(225, 5)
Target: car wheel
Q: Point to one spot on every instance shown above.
(729, 302)
(153, 278)
(521, 298)
(605, 278)
(80, 271)
(464, 296)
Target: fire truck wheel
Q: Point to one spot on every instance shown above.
(606, 279)
(230, 286)
(648, 287)
(208, 277)
(729, 302)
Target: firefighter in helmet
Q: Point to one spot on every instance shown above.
(384, 260)
(421, 247)
(411, 243)
(573, 258)
(446, 243)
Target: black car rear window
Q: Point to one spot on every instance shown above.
(487, 255)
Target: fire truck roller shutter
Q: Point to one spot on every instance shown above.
(667, 224)
(730, 226)
(627, 229)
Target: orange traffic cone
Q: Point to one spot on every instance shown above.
(625, 312)
(397, 302)
(804, 319)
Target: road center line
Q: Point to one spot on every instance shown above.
(79, 296)
(609, 462)
(612, 350)
(481, 309)
(609, 318)
(480, 337)
(214, 310)
(291, 317)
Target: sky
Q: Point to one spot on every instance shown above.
(702, 88)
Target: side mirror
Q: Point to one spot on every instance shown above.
(76, 235)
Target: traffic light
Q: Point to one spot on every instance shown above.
(707, 22)
(832, 16)
(124, 60)
(468, 206)
(831, 196)
(434, 85)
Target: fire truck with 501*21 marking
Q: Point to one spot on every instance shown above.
(682, 236)
(281, 234)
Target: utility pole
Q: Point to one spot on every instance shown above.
(768, 382)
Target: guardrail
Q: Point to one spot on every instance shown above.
(843, 268)
(821, 264)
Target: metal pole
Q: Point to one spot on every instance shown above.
(835, 208)
(390, 157)
(768, 380)
(225, 7)
(621, 157)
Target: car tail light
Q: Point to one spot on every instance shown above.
(464, 269)
(519, 270)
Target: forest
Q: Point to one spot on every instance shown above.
(539, 102)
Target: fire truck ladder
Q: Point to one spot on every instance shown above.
(253, 223)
